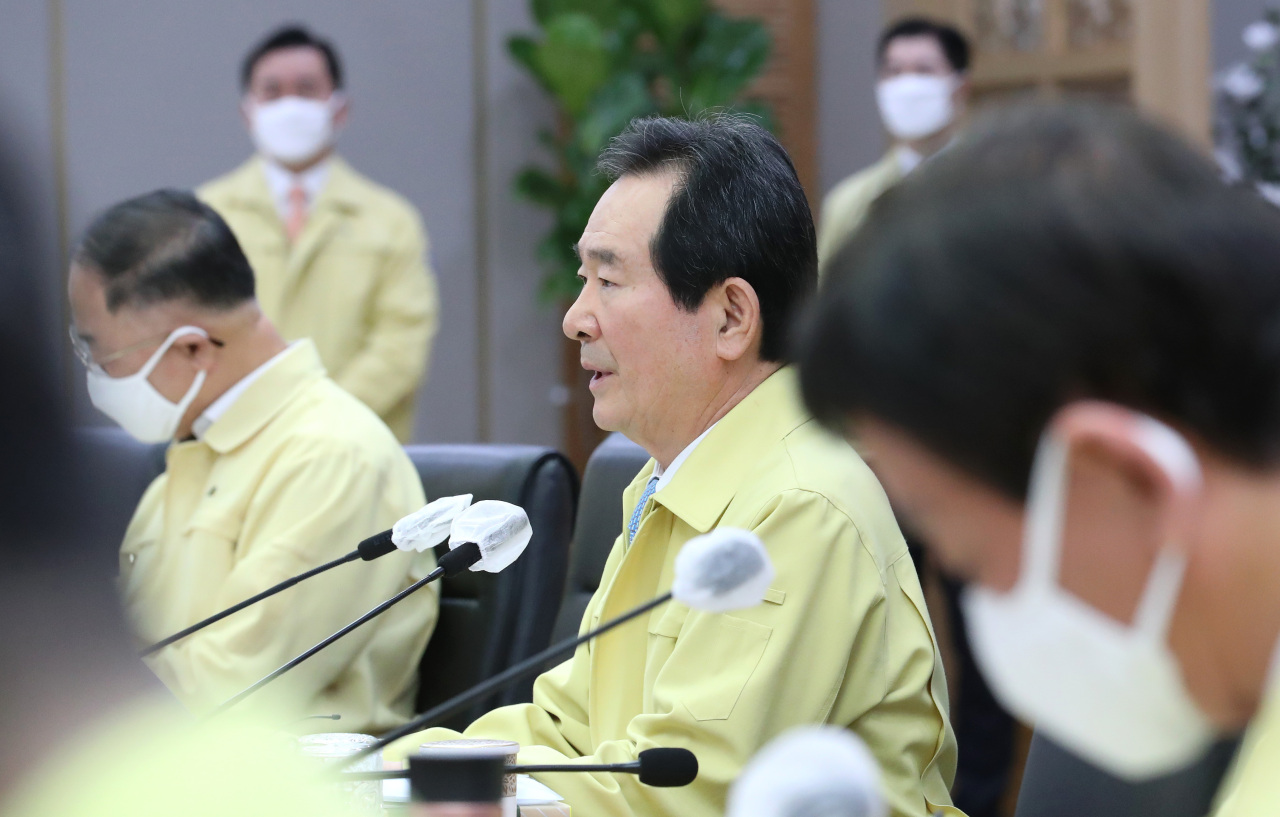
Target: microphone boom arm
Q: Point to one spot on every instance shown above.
(376, 546)
(270, 591)
(502, 680)
(464, 559)
(632, 767)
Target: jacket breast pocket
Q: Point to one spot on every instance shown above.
(713, 659)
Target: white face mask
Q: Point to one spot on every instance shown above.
(1110, 692)
(914, 106)
(135, 404)
(291, 129)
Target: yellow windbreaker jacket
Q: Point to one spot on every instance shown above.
(845, 207)
(843, 636)
(1251, 786)
(357, 282)
(295, 473)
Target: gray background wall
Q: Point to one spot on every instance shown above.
(109, 98)
(849, 132)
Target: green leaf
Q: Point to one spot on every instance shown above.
(730, 55)
(622, 99)
(673, 19)
(540, 187)
(573, 60)
(604, 12)
(523, 50)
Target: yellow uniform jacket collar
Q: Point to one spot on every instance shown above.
(265, 397)
(250, 189)
(737, 442)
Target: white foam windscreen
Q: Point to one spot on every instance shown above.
(810, 771)
(430, 525)
(500, 529)
(726, 569)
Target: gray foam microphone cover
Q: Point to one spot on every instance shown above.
(726, 569)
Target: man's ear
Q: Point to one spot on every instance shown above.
(198, 350)
(342, 110)
(1127, 499)
(1154, 456)
(740, 325)
(963, 92)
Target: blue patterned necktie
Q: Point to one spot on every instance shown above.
(635, 515)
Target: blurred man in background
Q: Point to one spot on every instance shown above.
(338, 258)
(1071, 387)
(921, 91)
(272, 470)
(693, 262)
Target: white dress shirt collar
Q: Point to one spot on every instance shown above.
(665, 475)
(908, 159)
(280, 180)
(220, 406)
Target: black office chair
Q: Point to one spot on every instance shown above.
(1057, 783)
(612, 466)
(488, 622)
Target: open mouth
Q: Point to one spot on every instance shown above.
(598, 376)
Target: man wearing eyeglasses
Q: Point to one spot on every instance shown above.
(271, 469)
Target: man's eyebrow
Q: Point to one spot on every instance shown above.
(604, 256)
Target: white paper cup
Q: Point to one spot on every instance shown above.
(483, 746)
(332, 748)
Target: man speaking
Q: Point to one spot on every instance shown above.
(692, 263)
(273, 470)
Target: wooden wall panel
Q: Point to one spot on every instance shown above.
(789, 82)
(1157, 56)
(1171, 64)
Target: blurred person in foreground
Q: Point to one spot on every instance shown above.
(271, 470)
(85, 730)
(1071, 385)
(693, 262)
(922, 90)
(338, 258)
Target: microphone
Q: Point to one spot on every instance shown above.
(662, 767)
(806, 771)
(424, 528)
(726, 569)
(503, 531)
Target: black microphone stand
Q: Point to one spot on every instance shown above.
(370, 549)
(455, 561)
(504, 679)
